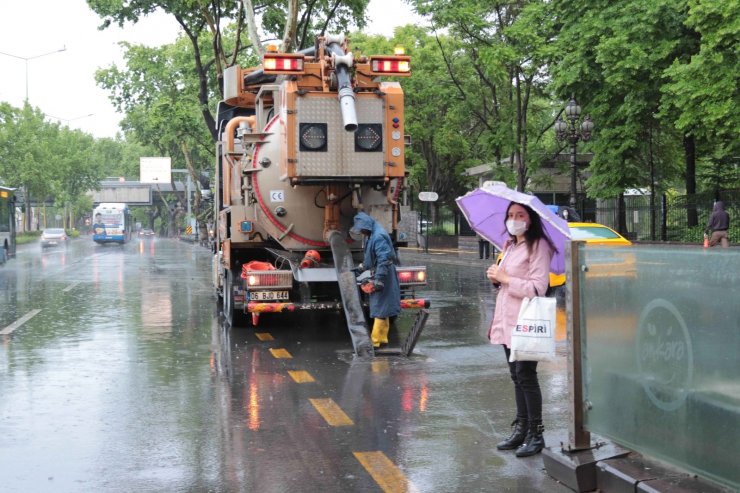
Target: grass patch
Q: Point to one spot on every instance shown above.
(29, 237)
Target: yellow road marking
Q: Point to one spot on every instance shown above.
(280, 353)
(384, 472)
(264, 336)
(331, 412)
(301, 376)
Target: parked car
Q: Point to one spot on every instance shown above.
(53, 237)
(598, 234)
(146, 232)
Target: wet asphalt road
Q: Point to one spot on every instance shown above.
(116, 375)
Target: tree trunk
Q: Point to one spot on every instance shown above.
(291, 26)
(689, 146)
(621, 215)
(252, 28)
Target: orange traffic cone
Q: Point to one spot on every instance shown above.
(706, 241)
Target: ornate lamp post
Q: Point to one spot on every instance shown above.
(572, 131)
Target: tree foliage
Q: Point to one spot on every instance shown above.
(48, 161)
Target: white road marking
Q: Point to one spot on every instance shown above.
(25, 318)
(71, 286)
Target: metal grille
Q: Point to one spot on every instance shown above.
(340, 158)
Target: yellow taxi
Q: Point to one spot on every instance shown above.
(596, 234)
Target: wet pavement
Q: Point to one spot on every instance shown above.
(116, 375)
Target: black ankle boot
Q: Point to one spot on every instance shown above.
(518, 432)
(534, 442)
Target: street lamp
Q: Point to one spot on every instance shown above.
(67, 120)
(26, 59)
(572, 132)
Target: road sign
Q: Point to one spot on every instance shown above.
(428, 196)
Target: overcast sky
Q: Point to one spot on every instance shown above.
(62, 83)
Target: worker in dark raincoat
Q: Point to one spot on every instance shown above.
(383, 287)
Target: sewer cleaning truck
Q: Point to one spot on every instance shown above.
(307, 140)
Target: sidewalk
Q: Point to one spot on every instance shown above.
(607, 467)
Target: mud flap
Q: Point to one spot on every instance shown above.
(356, 323)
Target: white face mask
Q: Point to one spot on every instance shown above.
(515, 228)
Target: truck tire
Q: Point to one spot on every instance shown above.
(232, 316)
(228, 298)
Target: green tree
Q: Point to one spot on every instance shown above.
(208, 25)
(158, 92)
(612, 56)
(702, 91)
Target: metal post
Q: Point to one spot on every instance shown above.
(429, 217)
(190, 188)
(578, 437)
(573, 169)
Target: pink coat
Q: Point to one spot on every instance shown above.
(526, 273)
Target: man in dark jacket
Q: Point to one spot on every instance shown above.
(383, 288)
(719, 223)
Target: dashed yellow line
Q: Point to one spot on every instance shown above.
(384, 472)
(264, 336)
(280, 353)
(331, 412)
(300, 376)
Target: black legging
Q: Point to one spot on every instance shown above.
(526, 389)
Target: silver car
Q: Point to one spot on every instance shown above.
(53, 237)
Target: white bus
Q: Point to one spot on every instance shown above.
(112, 223)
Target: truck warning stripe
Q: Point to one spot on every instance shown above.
(301, 376)
(25, 318)
(331, 412)
(264, 336)
(280, 353)
(385, 473)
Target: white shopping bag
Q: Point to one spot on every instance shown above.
(533, 336)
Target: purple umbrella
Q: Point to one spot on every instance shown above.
(485, 210)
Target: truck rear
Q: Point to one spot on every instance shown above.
(307, 140)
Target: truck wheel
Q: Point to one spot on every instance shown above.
(228, 298)
(231, 315)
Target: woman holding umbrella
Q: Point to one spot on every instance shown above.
(523, 272)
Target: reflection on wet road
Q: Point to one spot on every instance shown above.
(116, 375)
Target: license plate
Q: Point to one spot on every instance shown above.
(268, 295)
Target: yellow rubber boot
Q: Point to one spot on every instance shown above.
(385, 329)
(379, 334)
(380, 331)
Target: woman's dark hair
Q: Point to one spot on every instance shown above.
(535, 230)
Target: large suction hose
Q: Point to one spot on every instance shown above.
(342, 63)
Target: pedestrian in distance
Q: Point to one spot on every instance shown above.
(524, 271)
(484, 248)
(719, 223)
(382, 287)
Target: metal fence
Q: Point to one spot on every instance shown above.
(667, 220)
